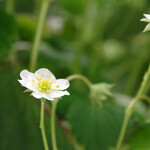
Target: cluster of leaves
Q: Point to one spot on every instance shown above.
(86, 43)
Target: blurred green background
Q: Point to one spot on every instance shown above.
(100, 39)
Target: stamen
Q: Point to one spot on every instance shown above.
(57, 86)
(42, 74)
(44, 85)
(38, 78)
(52, 81)
(33, 81)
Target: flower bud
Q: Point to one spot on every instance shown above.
(101, 91)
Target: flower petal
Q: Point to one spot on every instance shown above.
(60, 84)
(57, 94)
(45, 73)
(147, 28)
(27, 78)
(40, 95)
(147, 16)
(46, 96)
(145, 20)
(21, 82)
(26, 75)
(37, 95)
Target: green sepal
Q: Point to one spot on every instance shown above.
(43, 100)
(27, 90)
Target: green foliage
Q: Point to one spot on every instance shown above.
(63, 141)
(74, 6)
(141, 140)
(8, 32)
(100, 39)
(19, 117)
(27, 26)
(140, 114)
(20, 114)
(95, 126)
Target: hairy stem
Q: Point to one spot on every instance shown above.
(81, 77)
(146, 98)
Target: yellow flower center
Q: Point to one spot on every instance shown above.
(43, 85)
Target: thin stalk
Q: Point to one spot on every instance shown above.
(10, 6)
(146, 98)
(53, 134)
(131, 107)
(81, 77)
(122, 133)
(42, 127)
(38, 34)
(54, 105)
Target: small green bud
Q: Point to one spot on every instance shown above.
(101, 91)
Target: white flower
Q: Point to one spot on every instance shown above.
(44, 84)
(146, 19)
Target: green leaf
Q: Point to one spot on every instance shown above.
(141, 140)
(74, 6)
(27, 27)
(96, 127)
(19, 116)
(8, 32)
(63, 142)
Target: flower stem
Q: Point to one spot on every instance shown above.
(146, 98)
(122, 133)
(81, 77)
(42, 127)
(131, 107)
(38, 34)
(54, 104)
